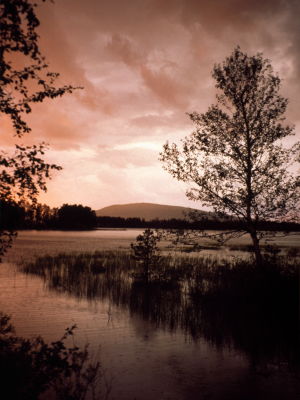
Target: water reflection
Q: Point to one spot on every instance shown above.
(265, 330)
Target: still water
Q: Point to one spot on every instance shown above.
(144, 358)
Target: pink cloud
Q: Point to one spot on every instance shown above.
(144, 64)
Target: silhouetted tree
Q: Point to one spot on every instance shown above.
(40, 216)
(234, 159)
(145, 251)
(30, 367)
(11, 215)
(24, 79)
(73, 216)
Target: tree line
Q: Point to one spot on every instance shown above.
(79, 217)
(204, 223)
(40, 216)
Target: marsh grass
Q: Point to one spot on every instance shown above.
(228, 302)
(201, 276)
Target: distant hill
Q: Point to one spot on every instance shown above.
(147, 211)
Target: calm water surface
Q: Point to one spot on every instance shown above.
(142, 358)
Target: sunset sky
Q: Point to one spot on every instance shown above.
(144, 64)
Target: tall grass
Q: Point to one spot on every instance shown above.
(201, 276)
(229, 303)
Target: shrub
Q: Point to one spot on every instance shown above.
(31, 367)
(146, 252)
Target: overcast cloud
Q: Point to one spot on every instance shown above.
(144, 64)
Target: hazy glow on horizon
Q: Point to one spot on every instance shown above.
(144, 64)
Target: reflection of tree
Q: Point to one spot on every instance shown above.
(242, 308)
(156, 303)
(267, 334)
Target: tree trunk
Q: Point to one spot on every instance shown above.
(256, 249)
(146, 270)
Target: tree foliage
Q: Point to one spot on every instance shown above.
(145, 250)
(235, 159)
(24, 74)
(25, 79)
(31, 367)
(76, 216)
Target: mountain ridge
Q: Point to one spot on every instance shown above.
(148, 211)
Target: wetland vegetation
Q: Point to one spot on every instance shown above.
(154, 293)
(230, 303)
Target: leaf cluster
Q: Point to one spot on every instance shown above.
(31, 367)
(145, 248)
(146, 252)
(24, 74)
(25, 79)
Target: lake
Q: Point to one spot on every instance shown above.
(149, 355)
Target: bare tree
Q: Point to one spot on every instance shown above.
(235, 159)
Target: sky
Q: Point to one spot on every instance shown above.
(143, 64)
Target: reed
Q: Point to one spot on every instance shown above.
(228, 302)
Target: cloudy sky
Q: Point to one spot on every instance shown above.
(144, 64)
